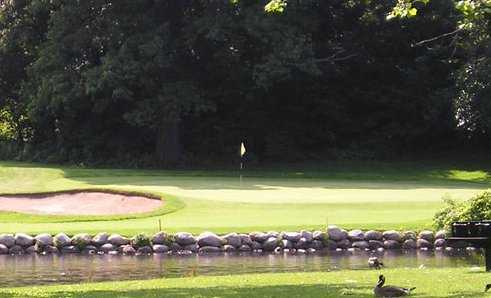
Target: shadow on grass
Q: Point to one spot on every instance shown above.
(317, 290)
(233, 182)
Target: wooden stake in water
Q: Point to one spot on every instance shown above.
(160, 225)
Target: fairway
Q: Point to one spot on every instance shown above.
(272, 200)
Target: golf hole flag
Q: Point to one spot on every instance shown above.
(242, 149)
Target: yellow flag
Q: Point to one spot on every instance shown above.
(242, 149)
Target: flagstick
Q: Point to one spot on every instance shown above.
(240, 176)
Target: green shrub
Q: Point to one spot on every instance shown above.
(81, 240)
(169, 240)
(476, 208)
(140, 240)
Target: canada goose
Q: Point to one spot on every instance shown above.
(488, 286)
(389, 291)
(373, 262)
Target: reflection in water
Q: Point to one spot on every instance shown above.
(49, 269)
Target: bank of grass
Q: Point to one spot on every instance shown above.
(368, 196)
(444, 282)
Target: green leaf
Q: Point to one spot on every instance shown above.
(412, 12)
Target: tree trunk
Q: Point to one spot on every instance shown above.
(168, 146)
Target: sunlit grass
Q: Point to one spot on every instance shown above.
(443, 282)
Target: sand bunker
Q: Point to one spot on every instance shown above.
(79, 203)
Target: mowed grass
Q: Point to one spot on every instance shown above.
(379, 196)
(445, 282)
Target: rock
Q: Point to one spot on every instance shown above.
(373, 235)
(245, 239)
(317, 245)
(423, 243)
(311, 250)
(159, 238)
(343, 244)
(89, 250)
(270, 244)
(175, 247)
(287, 243)
(107, 247)
(307, 235)
(100, 239)
(360, 244)
(191, 247)
(129, 249)
(392, 244)
(50, 249)
(30, 250)
(273, 234)
(71, 249)
(440, 242)
(184, 253)
(331, 245)
(44, 240)
(256, 245)
(258, 236)
(321, 236)
(62, 240)
(233, 239)
(292, 236)
(7, 239)
(356, 235)
(302, 243)
(229, 248)
(209, 249)
(144, 250)
(245, 248)
(336, 234)
(81, 240)
(427, 235)
(375, 244)
(409, 235)
(16, 250)
(442, 234)
(183, 238)
(301, 251)
(354, 250)
(209, 239)
(118, 240)
(24, 240)
(409, 244)
(160, 248)
(3, 249)
(392, 235)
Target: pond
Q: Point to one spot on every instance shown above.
(63, 269)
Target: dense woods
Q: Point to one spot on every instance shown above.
(183, 82)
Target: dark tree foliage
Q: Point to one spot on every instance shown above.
(169, 82)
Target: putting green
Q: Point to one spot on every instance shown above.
(219, 201)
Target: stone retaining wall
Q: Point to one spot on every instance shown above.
(185, 243)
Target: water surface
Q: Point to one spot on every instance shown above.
(64, 269)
